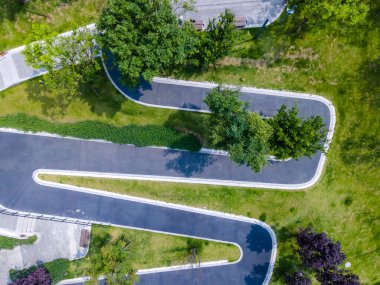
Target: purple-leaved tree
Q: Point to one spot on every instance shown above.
(297, 278)
(337, 277)
(317, 251)
(38, 277)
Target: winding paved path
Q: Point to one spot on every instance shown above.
(22, 154)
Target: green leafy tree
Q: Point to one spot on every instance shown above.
(243, 134)
(113, 261)
(143, 36)
(294, 137)
(217, 41)
(69, 60)
(342, 11)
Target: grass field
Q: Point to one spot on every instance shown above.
(147, 250)
(338, 62)
(150, 250)
(60, 15)
(103, 115)
(10, 243)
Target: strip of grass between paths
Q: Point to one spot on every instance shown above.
(149, 135)
(147, 250)
(327, 207)
(10, 243)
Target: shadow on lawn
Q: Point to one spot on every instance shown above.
(103, 100)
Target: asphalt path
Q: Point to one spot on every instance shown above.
(22, 154)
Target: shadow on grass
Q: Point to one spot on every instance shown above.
(9, 9)
(103, 100)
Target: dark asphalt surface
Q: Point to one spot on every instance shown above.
(21, 154)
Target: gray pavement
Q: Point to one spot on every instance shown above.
(55, 240)
(21, 154)
(255, 11)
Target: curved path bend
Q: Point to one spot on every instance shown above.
(22, 154)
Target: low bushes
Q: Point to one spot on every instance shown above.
(148, 135)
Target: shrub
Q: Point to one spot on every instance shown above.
(149, 135)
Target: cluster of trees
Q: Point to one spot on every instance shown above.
(69, 60)
(322, 255)
(250, 139)
(145, 38)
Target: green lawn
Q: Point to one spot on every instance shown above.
(338, 62)
(148, 250)
(10, 243)
(105, 114)
(60, 15)
(343, 65)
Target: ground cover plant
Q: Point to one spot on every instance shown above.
(10, 243)
(148, 135)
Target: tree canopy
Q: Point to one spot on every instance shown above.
(317, 251)
(297, 278)
(295, 137)
(113, 261)
(343, 11)
(243, 134)
(217, 41)
(337, 277)
(143, 36)
(69, 60)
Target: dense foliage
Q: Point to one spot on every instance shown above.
(317, 251)
(243, 134)
(37, 277)
(57, 269)
(342, 11)
(143, 36)
(294, 137)
(69, 60)
(114, 263)
(149, 135)
(297, 278)
(216, 42)
(337, 277)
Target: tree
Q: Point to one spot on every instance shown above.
(143, 36)
(297, 278)
(217, 41)
(243, 134)
(337, 277)
(342, 11)
(69, 60)
(317, 251)
(114, 263)
(38, 277)
(294, 137)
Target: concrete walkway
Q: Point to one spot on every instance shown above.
(55, 240)
(255, 11)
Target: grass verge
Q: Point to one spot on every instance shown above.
(149, 135)
(10, 243)
(147, 250)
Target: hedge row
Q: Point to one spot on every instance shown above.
(149, 135)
